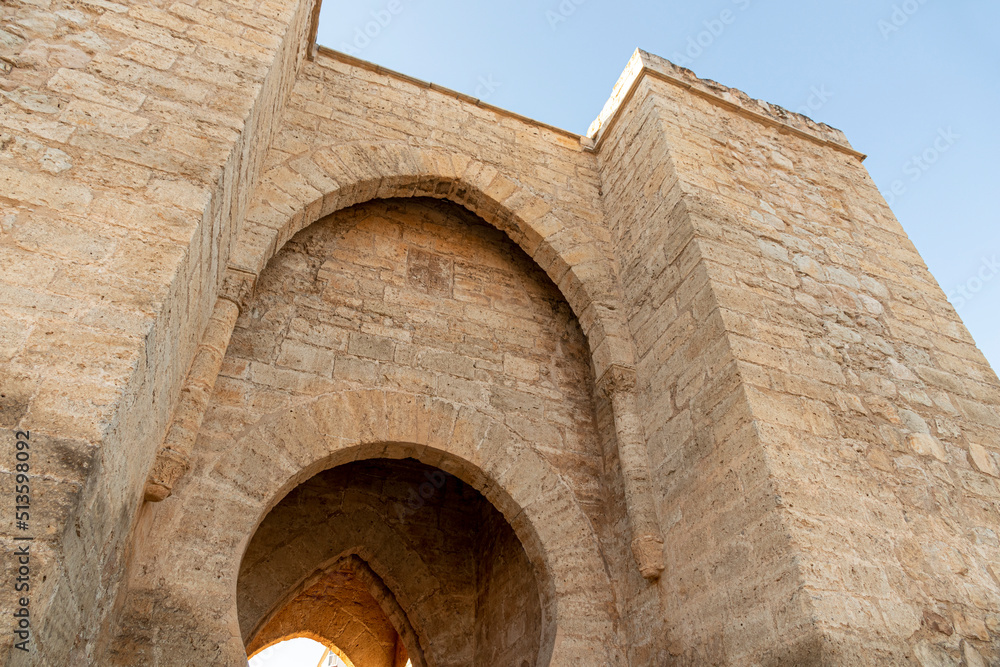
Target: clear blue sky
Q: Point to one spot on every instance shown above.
(893, 75)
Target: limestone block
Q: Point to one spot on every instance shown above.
(983, 460)
(925, 444)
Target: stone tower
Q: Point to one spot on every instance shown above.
(293, 345)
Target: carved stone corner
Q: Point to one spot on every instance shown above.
(155, 493)
(617, 379)
(169, 467)
(648, 552)
(238, 286)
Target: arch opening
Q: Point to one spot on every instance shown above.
(301, 650)
(352, 348)
(392, 561)
(574, 256)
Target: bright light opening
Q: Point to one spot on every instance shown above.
(300, 652)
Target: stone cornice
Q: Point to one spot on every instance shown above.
(645, 64)
(325, 52)
(640, 66)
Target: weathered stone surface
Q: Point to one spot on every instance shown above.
(790, 341)
(792, 425)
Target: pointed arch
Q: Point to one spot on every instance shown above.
(297, 193)
(370, 573)
(234, 493)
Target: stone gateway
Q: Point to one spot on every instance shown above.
(297, 346)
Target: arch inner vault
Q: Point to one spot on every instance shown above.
(402, 455)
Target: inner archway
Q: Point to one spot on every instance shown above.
(393, 330)
(391, 560)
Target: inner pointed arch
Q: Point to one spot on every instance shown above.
(294, 195)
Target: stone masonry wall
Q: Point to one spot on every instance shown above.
(876, 410)
(507, 614)
(864, 404)
(338, 102)
(419, 296)
(344, 140)
(727, 554)
(412, 296)
(130, 139)
(822, 431)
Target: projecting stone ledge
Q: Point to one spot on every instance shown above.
(643, 64)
